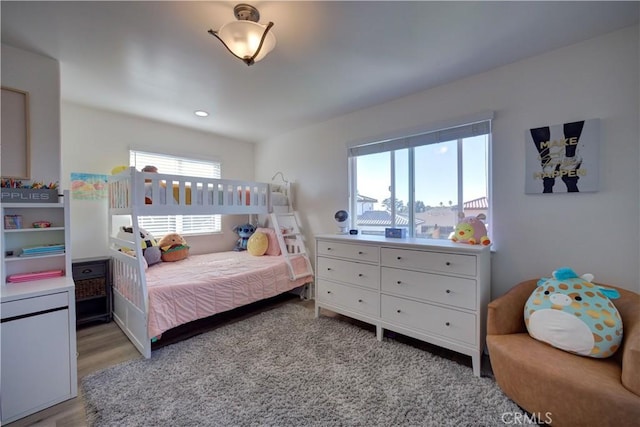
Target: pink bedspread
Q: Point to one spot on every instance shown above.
(202, 285)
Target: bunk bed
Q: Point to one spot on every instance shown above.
(151, 300)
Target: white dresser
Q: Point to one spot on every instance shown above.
(433, 290)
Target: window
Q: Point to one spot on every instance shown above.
(183, 224)
(422, 182)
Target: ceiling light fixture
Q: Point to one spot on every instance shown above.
(245, 38)
(201, 113)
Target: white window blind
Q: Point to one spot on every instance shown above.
(442, 135)
(183, 224)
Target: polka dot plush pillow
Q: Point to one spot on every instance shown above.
(573, 314)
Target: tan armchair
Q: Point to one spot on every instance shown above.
(573, 390)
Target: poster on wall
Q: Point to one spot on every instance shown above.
(88, 186)
(562, 158)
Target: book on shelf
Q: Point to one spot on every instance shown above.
(43, 249)
(36, 275)
(27, 255)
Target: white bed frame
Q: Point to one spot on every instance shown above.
(127, 200)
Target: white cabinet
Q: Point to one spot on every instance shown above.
(37, 329)
(432, 290)
(38, 359)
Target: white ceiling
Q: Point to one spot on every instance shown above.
(156, 60)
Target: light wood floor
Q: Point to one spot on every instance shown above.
(103, 345)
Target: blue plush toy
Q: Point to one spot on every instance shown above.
(573, 314)
(244, 231)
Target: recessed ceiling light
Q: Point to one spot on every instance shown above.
(201, 113)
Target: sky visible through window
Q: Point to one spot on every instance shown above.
(435, 168)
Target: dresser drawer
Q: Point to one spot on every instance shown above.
(355, 299)
(454, 291)
(428, 318)
(89, 271)
(27, 306)
(432, 261)
(350, 272)
(345, 250)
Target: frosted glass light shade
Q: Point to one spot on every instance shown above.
(243, 38)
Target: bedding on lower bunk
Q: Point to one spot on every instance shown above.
(203, 285)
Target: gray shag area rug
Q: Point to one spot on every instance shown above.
(283, 367)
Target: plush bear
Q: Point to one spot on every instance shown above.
(573, 314)
(150, 250)
(244, 231)
(173, 247)
(471, 230)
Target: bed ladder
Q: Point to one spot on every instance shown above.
(291, 240)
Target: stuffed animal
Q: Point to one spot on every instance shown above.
(244, 231)
(150, 250)
(257, 244)
(118, 169)
(471, 230)
(152, 255)
(173, 247)
(573, 314)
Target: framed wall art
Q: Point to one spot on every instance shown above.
(15, 148)
(562, 158)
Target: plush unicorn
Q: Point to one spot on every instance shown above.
(573, 314)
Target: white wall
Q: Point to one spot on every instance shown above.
(533, 234)
(96, 141)
(40, 76)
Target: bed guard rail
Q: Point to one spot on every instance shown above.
(157, 194)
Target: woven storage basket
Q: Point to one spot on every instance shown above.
(88, 288)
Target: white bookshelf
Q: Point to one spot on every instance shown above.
(13, 240)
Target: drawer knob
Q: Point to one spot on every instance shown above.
(399, 310)
(447, 263)
(448, 291)
(447, 323)
(328, 249)
(360, 274)
(360, 253)
(399, 282)
(328, 292)
(359, 300)
(328, 268)
(86, 271)
(399, 257)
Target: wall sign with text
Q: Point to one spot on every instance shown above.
(562, 158)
